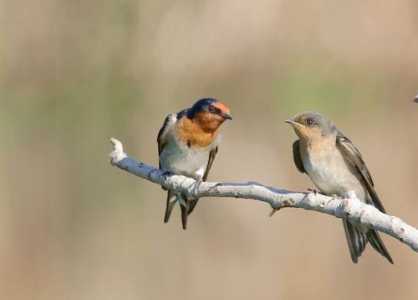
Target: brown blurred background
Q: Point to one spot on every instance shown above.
(74, 73)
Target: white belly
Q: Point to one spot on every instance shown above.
(331, 175)
(180, 159)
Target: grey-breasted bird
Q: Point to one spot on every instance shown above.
(187, 145)
(336, 167)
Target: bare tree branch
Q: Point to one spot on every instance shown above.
(350, 208)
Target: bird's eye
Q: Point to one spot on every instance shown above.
(214, 110)
(310, 122)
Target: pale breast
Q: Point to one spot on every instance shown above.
(330, 173)
(179, 158)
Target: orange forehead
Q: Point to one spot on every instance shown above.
(221, 106)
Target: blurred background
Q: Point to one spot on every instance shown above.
(74, 73)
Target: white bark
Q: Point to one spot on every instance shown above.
(350, 207)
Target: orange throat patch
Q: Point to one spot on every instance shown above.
(193, 134)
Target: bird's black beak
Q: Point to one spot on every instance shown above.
(291, 122)
(296, 125)
(226, 116)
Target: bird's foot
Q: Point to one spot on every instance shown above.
(313, 190)
(166, 173)
(334, 196)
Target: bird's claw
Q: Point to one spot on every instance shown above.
(313, 190)
(166, 173)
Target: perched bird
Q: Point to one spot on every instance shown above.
(416, 98)
(336, 167)
(187, 145)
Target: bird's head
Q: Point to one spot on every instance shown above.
(311, 126)
(209, 113)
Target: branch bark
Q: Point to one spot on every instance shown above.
(350, 208)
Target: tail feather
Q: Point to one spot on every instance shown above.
(184, 215)
(192, 205)
(172, 199)
(377, 243)
(357, 241)
(169, 206)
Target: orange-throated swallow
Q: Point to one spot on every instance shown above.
(336, 167)
(187, 145)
